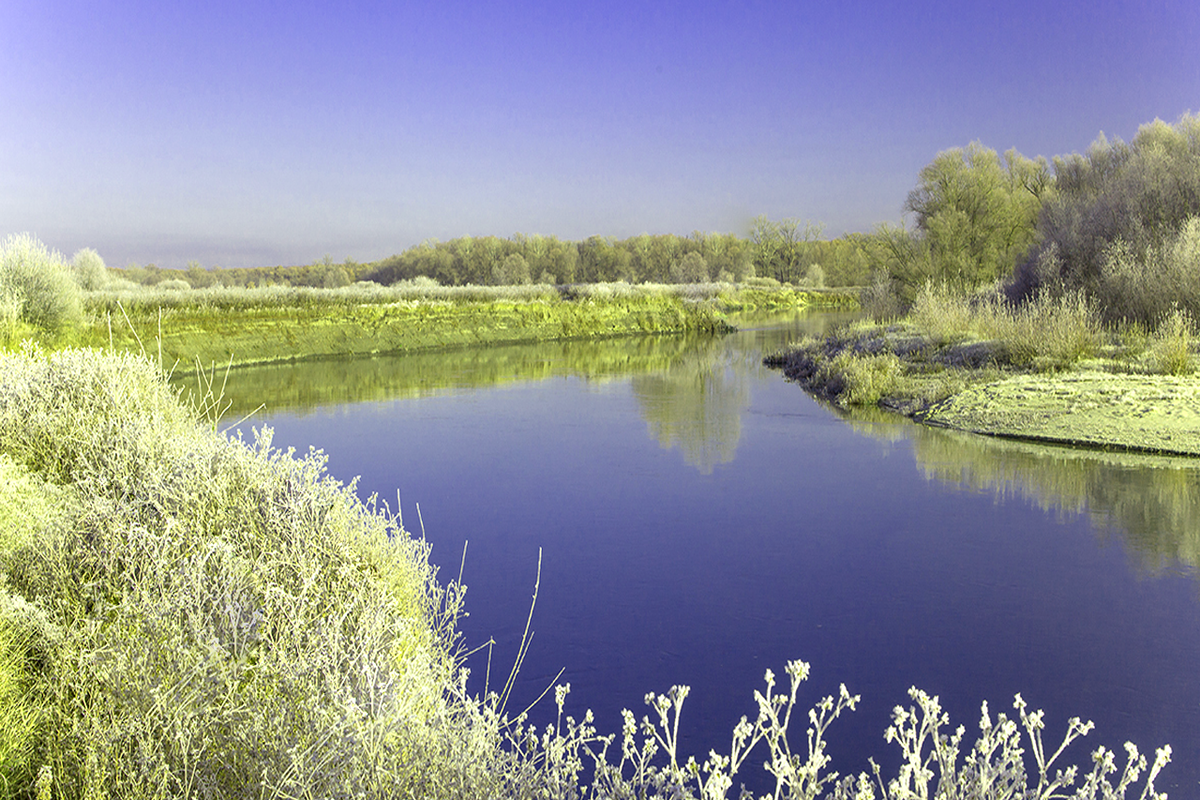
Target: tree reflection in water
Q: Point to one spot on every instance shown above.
(1153, 502)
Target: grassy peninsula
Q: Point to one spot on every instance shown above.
(1047, 371)
(1054, 305)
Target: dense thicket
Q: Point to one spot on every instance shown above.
(1122, 225)
(788, 251)
(1119, 223)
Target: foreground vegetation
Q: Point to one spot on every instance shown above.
(183, 614)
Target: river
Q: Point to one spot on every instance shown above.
(701, 520)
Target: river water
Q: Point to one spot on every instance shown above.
(701, 520)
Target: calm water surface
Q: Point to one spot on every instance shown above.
(702, 520)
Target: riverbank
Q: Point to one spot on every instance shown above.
(255, 326)
(1106, 396)
(166, 598)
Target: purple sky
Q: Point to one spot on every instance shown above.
(259, 133)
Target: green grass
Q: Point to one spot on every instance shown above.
(207, 615)
(949, 341)
(256, 327)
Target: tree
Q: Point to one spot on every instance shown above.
(765, 241)
(781, 248)
(692, 268)
(977, 215)
(513, 270)
(88, 268)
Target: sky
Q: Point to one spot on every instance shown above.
(256, 133)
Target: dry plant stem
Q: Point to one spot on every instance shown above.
(525, 639)
(132, 329)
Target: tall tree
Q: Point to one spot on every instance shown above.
(977, 215)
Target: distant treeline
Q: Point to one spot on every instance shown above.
(1119, 224)
(787, 251)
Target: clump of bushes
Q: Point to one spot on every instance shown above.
(89, 270)
(1171, 352)
(862, 379)
(37, 290)
(1121, 225)
(199, 616)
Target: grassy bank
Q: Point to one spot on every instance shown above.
(185, 615)
(269, 326)
(1047, 370)
(275, 324)
(44, 297)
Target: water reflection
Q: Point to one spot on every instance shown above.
(1152, 501)
(691, 390)
(307, 386)
(696, 404)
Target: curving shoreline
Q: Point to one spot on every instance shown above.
(973, 387)
(1154, 414)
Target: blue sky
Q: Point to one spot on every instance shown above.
(261, 133)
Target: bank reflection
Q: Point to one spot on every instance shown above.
(1153, 502)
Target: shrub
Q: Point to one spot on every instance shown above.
(1170, 353)
(1145, 287)
(943, 314)
(41, 282)
(89, 271)
(815, 276)
(862, 380)
(229, 617)
(11, 326)
(881, 301)
(1048, 330)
